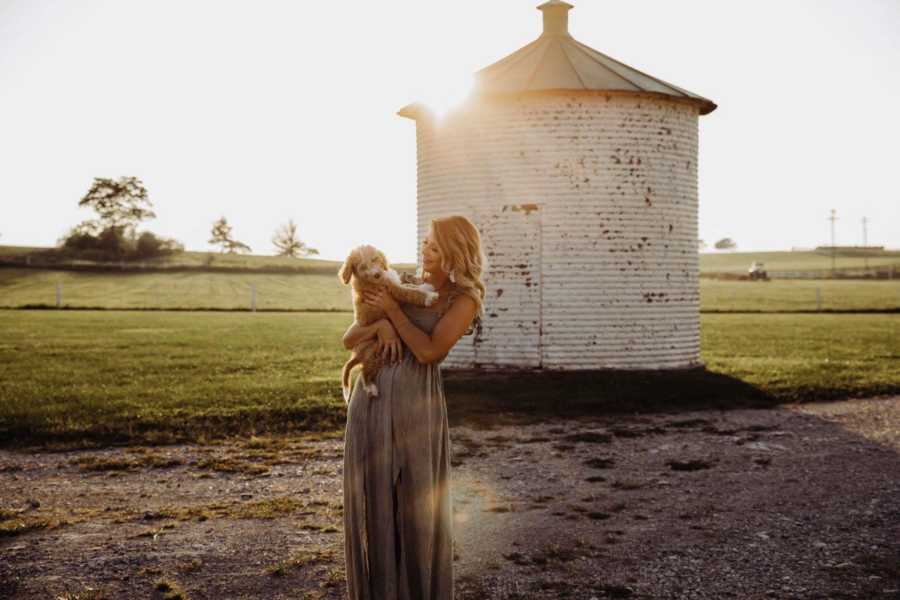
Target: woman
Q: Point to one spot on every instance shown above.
(398, 540)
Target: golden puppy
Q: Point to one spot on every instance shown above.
(366, 268)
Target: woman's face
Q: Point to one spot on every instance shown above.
(431, 256)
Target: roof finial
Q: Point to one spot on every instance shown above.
(556, 17)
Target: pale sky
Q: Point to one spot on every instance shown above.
(265, 110)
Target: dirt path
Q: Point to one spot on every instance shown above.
(796, 502)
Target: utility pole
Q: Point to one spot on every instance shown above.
(865, 243)
(832, 218)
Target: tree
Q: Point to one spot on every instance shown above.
(221, 236)
(288, 244)
(725, 244)
(79, 234)
(119, 203)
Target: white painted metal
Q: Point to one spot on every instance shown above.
(587, 204)
(510, 335)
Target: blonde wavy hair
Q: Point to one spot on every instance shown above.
(459, 242)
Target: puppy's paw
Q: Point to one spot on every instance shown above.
(409, 278)
(392, 275)
(431, 298)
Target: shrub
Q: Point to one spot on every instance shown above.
(149, 246)
(114, 244)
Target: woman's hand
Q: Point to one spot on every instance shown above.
(380, 298)
(389, 343)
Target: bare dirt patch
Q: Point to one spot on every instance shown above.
(798, 502)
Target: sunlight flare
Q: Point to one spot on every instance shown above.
(449, 94)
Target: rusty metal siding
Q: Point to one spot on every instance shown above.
(510, 335)
(512, 247)
(608, 238)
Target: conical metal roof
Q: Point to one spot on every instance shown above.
(556, 61)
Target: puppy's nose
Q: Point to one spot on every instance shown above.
(377, 275)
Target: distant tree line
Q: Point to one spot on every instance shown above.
(285, 240)
(122, 205)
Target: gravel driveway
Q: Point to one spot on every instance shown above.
(800, 501)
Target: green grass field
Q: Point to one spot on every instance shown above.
(179, 290)
(710, 261)
(164, 376)
(312, 284)
(127, 374)
(197, 260)
(805, 356)
(739, 262)
(198, 290)
(799, 294)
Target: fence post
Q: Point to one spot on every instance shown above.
(818, 299)
(58, 294)
(253, 297)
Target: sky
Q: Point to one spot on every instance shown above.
(269, 110)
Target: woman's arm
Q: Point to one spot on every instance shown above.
(389, 343)
(357, 333)
(430, 349)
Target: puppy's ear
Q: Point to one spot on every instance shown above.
(384, 261)
(347, 269)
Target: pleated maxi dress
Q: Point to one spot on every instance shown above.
(397, 508)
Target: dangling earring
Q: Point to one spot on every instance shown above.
(451, 277)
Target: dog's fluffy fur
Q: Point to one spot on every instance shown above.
(367, 268)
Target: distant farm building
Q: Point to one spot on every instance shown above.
(581, 174)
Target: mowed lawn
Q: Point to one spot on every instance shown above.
(119, 373)
(176, 290)
(781, 260)
(324, 291)
(800, 294)
(163, 376)
(805, 356)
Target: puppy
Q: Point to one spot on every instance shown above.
(367, 268)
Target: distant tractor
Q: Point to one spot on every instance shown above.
(757, 272)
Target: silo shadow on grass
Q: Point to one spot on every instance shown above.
(486, 398)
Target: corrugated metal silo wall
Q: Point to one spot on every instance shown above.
(587, 207)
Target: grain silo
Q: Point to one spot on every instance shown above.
(581, 174)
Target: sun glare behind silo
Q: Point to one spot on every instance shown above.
(450, 94)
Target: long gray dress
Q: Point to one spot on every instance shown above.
(397, 509)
